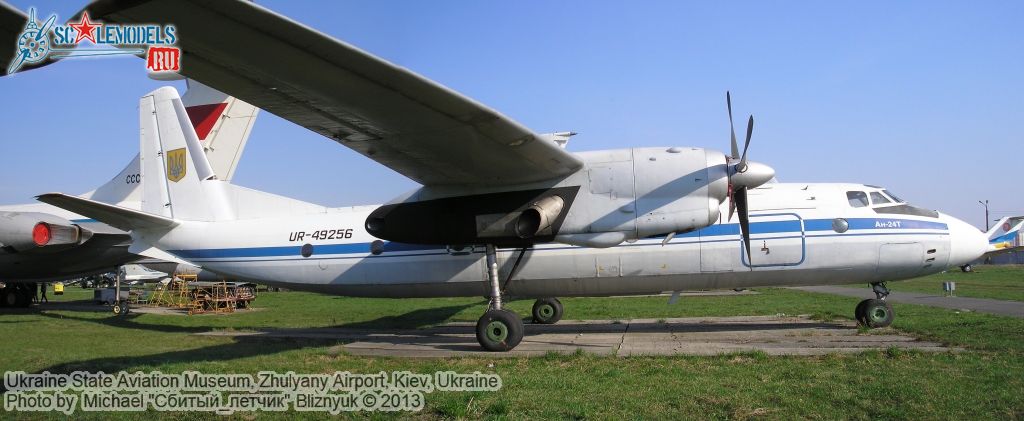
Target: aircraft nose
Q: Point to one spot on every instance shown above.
(966, 243)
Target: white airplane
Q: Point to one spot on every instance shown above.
(39, 242)
(132, 274)
(503, 210)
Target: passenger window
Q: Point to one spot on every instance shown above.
(878, 199)
(858, 199)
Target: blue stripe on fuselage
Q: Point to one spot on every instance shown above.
(770, 227)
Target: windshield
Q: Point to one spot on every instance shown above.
(893, 196)
(857, 199)
(878, 199)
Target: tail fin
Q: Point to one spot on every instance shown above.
(223, 124)
(177, 179)
(1007, 232)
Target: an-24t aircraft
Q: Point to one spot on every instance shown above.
(503, 211)
(801, 234)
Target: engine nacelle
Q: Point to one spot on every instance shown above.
(21, 231)
(678, 189)
(618, 195)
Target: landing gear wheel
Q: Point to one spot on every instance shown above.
(547, 311)
(967, 268)
(499, 330)
(23, 296)
(859, 314)
(10, 297)
(121, 308)
(877, 313)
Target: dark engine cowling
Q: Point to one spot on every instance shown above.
(509, 219)
(27, 231)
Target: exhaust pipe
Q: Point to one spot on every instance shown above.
(539, 216)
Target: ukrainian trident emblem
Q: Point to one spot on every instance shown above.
(176, 164)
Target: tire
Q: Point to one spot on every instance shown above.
(967, 268)
(859, 314)
(547, 311)
(23, 298)
(878, 314)
(499, 330)
(10, 297)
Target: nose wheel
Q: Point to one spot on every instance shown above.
(498, 330)
(875, 312)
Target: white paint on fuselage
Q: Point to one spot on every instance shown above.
(793, 243)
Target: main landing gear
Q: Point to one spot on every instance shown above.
(16, 294)
(875, 312)
(498, 330)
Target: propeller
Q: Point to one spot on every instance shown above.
(743, 175)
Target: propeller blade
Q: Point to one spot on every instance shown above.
(741, 204)
(732, 131)
(743, 160)
(732, 202)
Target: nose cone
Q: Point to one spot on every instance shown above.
(755, 175)
(966, 243)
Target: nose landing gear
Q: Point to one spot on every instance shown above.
(875, 312)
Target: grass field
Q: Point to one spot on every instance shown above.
(1003, 282)
(984, 381)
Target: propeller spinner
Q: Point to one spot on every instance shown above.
(743, 175)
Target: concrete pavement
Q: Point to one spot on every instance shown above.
(775, 335)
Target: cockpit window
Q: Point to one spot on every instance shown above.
(878, 199)
(893, 196)
(858, 199)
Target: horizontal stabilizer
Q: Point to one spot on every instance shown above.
(115, 216)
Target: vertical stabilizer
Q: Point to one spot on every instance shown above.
(1007, 232)
(222, 123)
(177, 179)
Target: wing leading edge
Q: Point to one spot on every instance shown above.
(410, 124)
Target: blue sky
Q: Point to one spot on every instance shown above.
(921, 97)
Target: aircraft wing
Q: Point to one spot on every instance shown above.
(12, 21)
(410, 124)
(116, 216)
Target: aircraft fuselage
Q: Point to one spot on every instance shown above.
(801, 235)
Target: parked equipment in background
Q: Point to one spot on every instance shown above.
(949, 288)
(106, 296)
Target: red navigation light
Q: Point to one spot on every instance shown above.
(41, 234)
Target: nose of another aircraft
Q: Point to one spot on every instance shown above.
(966, 243)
